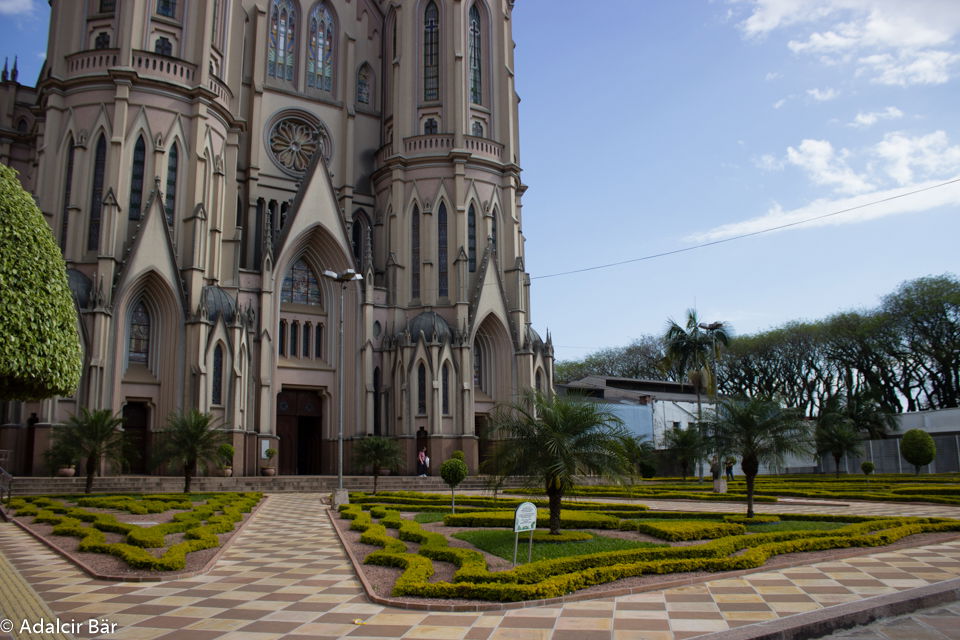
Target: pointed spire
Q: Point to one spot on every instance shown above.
(4, 75)
(15, 72)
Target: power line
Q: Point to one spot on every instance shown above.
(747, 235)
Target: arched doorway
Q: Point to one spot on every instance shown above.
(299, 428)
(136, 430)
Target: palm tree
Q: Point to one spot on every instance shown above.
(642, 455)
(689, 350)
(686, 446)
(835, 433)
(869, 415)
(758, 431)
(190, 439)
(380, 452)
(91, 437)
(551, 439)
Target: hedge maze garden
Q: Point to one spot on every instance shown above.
(199, 517)
(725, 542)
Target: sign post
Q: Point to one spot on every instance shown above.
(524, 519)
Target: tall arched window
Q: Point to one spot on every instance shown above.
(430, 127)
(282, 40)
(318, 343)
(300, 286)
(173, 160)
(472, 238)
(294, 336)
(539, 382)
(477, 366)
(67, 188)
(445, 389)
(96, 193)
(365, 85)
(216, 394)
(138, 350)
(443, 288)
(476, 71)
(377, 399)
(136, 179)
(493, 230)
(307, 331)
(431, 52)
(320, 49)
(421, 390)
(282, 338)
(415, 253)
(167, 8)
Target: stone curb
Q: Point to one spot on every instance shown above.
(814, 624)
(164, 577)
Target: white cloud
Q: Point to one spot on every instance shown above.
(15, 7)
(872, 117)
(779, 103)
(772, 75)
(930, 156)
(900, 204)
(768, 162)
(911, 67)
(826, 167)
(823, 95)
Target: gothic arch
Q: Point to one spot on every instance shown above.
(493, 360)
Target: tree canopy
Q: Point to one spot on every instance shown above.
(40, 352)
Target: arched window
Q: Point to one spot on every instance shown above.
(216, 394)
(472, 238)
(477, 366)
(167, 8)
(307, 330)
(415, 253)
(300, 286)
(139, 348)
(172, 168)
(96, 193)
(493, 230)
(364, 84)
(431, 52)
(318, 343)
(476, 129)
(430, 127)
(320, 49)
(282, 338)
(102, 41)
(67, 188)
(476, 70)
(163, 46)
(282, 40)
(421, 390)
(539, 382)
(360, 234)
(443, 288)
(136, 179)
(294, 335)
(377, 430)
(445, 389)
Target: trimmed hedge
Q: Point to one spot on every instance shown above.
(568, 519)
(680, 531)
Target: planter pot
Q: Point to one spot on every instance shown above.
(66, 472)
(268, 471)
(226, 472)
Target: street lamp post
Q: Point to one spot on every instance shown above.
(712, 328)
(343, 278)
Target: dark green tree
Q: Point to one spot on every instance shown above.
(759, 431)
(378, 453)
(39, 344)
(453, 472)
(642, 456)
(685, 446)
(549, 440)
(835, 434)
(917, 448)
(90, 437)
(190, 439)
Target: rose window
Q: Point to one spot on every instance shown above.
(293, 142)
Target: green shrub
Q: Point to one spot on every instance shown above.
(917, 448)
(569, 519)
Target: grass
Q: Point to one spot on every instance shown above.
(795, 525)
(429, 516)
(499, 542)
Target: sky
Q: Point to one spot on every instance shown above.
(653, 127)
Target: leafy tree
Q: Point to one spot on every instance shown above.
(917, 448)
(642, 358)
(39, 345)
(641, 454)
(867, 467)
(686, 446)
(758, 431)
(91, 436)
(189, 440)
(551, 439)
(453, 471)
(379, 453)
(835, 434)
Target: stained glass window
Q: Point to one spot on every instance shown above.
(163, 46)
(172, 167)
(301, 286)
(307, 330)
(139, 348)
(476, 93)
(136, 179)
(67, 188)
(318, 343)
(443, 279)
(421, 390)
(430, 127)
(102, 41)
(477, 129)
(282, 338)
(96, 193)
(477, 366)
(472, 238)
(281, 42)
(445, 388)
(167, 8)
(364, 78)
(415, 253)
(294, 336)
(320, 49)
(493, 231)
(539, 381)
(216, 396)
(431, 53)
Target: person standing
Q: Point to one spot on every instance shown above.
(730, 462)
(422, 462)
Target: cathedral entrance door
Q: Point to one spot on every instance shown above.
(481, 425)
(136, 428)
(299, 427)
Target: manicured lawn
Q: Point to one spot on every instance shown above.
(429, 516)
(499, 542)
(795, 525)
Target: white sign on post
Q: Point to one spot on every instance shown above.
(525, 519)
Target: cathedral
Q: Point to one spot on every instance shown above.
(277, 210)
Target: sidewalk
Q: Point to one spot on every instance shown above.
(286, 576)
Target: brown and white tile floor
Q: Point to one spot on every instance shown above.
(286, 576)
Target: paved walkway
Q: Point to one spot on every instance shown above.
(931, 623)
(286, 576)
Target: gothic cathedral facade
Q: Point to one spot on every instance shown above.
(212, 169)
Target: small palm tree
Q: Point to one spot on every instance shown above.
(835, 433)
(759, 431)
(380, 452)
(641, 454)
(92, 436)
(551, 439)
(686, 446)
(190, 439)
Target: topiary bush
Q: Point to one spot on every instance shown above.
(453, 471)
(918, 448)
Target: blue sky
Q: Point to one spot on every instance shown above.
(650, 126)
